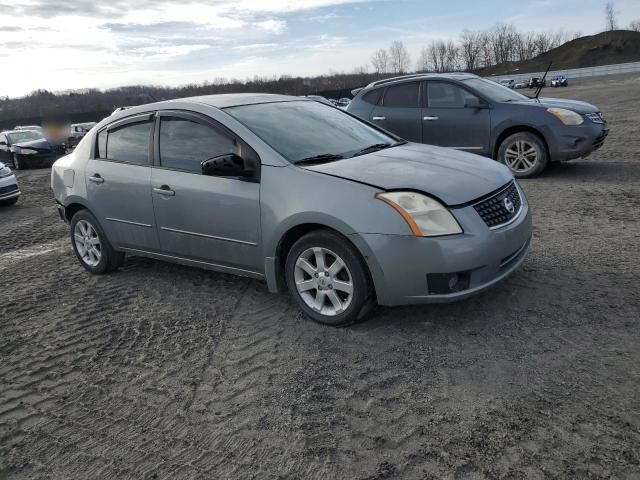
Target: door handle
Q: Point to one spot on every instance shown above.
(429, 119)
(96, 178)
(378, 119)
(164, 190)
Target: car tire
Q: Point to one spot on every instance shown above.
(91, 245)
(18, 164)
(524, 153)
(9, 202)
(336, 294)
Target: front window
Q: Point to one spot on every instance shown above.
(23, 136)
(447, 95)
(300, 130)
(494, 91)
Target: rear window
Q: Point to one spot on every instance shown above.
(406, 95)
(129, 143)
(373, 96)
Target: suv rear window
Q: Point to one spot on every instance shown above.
(373, 96)
(404, 95)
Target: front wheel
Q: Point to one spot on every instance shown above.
(524, 153)
(91, 245)
(328, 278)
(18, 163)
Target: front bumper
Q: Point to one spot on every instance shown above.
(570, 142)
(401, 264)
(9, 188)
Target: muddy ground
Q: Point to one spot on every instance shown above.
(167, 372)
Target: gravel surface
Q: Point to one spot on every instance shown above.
(166, 372)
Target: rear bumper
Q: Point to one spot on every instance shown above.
(570, 142)
(402, 266)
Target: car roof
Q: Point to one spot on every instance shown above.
(237, 99)
(20, 131)
(422, 76)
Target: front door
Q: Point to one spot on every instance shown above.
(5, 152)
(446, 121)
(118, 181)
(399, 111)
(199, 217)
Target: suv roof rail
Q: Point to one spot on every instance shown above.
(393, 79)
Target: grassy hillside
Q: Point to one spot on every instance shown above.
(620, 46)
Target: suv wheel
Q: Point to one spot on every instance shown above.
(524, 153)
(91, 245)
(328, 279)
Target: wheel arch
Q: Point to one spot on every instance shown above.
(73, 205)
(519, 129)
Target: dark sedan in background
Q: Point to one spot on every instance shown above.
(466, 112)
(28, 148)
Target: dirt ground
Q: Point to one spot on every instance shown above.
(166, 372)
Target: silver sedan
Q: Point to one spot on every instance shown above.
(306, 197)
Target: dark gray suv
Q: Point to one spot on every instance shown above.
(466, 112)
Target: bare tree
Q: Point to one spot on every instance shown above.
(380, 61)
(399, 57)
(423, 62)
(470, 47)
(610, 12)
(635, 26)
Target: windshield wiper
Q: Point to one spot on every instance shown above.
(323, 158)
(376, 147)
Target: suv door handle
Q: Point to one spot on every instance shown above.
(429, 119)
(378, 119)
(164, 190)
(96, 178)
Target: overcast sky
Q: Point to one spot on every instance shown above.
(72, 44)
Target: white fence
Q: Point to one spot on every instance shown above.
(577, 72)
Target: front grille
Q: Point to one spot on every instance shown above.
(494, 211)
(8, 189)
(600, 141)
(597, 117)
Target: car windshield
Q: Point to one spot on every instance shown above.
(303, 130)
(24, 136)
(494, 91)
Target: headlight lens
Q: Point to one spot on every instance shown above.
(567, 117)
(425, 216)
(5, 172)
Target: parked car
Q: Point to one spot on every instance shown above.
(520, 84)
(537, 82)
(28, 148)
(466, 112)
(559, 81)
(9, 191)
(77, 131)
(508, 82)
(294, 192)
(29, 127)
(343, 102)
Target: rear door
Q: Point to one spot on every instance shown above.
(201, 217)
(399, 111)
(118, 181)
(446, 121)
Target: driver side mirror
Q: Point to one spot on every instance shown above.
(228, 165)
(475, 102)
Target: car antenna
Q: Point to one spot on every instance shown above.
(542, 82)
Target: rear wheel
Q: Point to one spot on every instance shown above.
(91, 245)
(328, 278)
(524, 153)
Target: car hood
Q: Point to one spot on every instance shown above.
(452, 176)
(575, 105)
(40, 144)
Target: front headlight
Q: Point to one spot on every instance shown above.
(425, 216)
(5, 172)
(567, 117)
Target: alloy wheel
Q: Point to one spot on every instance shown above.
(87, 243)
(521, 156)
(323, 281)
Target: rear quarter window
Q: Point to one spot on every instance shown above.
(373, 96)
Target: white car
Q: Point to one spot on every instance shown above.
(507, 82)
(9, 191)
